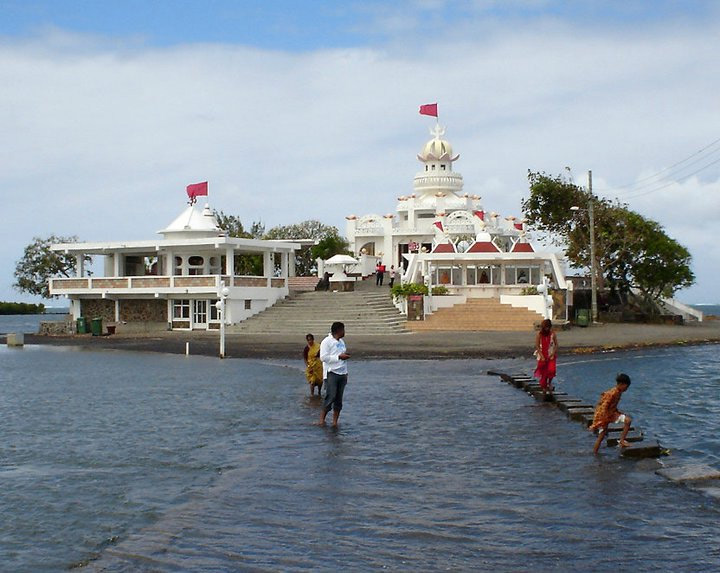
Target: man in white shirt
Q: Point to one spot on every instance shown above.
(333, 356)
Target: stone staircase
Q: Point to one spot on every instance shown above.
(479, 314)
(367, 310)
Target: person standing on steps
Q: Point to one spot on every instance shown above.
(546, 347)
(392, 275)
(379, 273)
(313, 365)
(333, 354)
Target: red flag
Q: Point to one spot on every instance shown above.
(518, 226)
(197, 189)
(438, 224)
(429, 109)
(479, 214)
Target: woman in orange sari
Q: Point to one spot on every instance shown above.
(546, 347)
(313, 365)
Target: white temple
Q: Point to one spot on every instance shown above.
(442, 235)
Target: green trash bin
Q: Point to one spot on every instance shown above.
(81, 325)
(96, 326)
(582, 317)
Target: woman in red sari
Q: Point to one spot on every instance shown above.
(546, 347)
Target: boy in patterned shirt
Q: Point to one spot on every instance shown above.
(606, 412)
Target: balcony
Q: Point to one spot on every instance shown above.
(159, 285)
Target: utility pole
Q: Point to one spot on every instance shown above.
(593, 269)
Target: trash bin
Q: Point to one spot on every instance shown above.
(96, 326)
(81, 325)
(582, 317)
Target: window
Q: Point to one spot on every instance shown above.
(248, 304)
(433, 168)
(426, 168)
(196, 265)
(181, 309)
(214, 312)
(178, 265)
(442, 167)
(215, 266)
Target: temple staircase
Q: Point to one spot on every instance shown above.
(367, 310)
(479, 314)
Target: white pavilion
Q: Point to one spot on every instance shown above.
(174, 282)
(441, 235)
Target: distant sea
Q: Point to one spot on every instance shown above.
(26, 323)
(708, 309)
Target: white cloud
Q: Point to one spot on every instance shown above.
(100, 140)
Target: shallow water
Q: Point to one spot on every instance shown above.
(149, 462)
(26, 323)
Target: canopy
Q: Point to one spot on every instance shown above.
(341, 260)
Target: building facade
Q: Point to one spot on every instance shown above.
(175, 282)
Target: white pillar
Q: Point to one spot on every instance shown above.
(291, 263)
(230, 265)
(80, 265)
(267, 266)
(116, 264)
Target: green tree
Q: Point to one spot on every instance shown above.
(39, 264)
(311, 229)
(234, 227)
(244, 264)
(330, 246)
(630, 250)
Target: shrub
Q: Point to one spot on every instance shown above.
(408, 289)
(440, 290)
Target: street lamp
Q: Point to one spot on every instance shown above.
(593, 270)
(220, 305)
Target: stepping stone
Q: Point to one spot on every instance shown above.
(576, 414)
(690, 472)
(538, 395)
(614, 440)
(568, 402)
(648, 448)
(587, 419)
(618, 428)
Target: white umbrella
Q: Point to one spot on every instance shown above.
(341, 260)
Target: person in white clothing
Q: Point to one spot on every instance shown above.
(333, 355)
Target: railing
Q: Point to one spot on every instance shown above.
(160, 283)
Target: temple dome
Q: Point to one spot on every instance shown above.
(437, 149)
(193, 223)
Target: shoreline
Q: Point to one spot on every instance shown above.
(417, 346)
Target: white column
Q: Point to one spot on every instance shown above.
(80, 265)
(230, 265)
(267, 266)
(116, 264)
(117, 310)
(291, 263)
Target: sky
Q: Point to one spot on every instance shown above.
(297, 110)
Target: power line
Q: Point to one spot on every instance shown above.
(661, 181)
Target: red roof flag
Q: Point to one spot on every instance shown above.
(429, 109)
(439, 225)
(197, 189)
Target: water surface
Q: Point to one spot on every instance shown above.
(149, 462)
